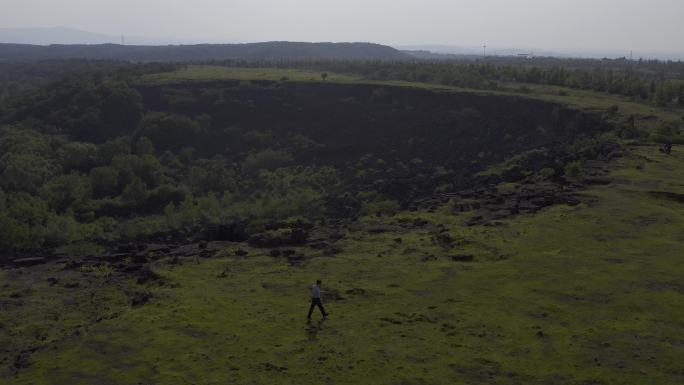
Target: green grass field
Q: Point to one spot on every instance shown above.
(590, 294)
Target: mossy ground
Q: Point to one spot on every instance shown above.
(590, 294)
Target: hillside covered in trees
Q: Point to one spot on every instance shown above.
(248, 51)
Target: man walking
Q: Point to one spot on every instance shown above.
(316, 299)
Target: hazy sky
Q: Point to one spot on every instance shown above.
(641, 25)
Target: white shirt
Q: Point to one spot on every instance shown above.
(315, 291)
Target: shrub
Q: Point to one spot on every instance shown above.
(66, 191)
(104, 181)
(113, 148)
(25, 172)
(14, 235)
(215, 175)
(77, 156)
(384, 207)
(162, 196)
(144, 146)
(134, 193)
(547, 173)
(267, 159)
(169, 131)
(573, 169)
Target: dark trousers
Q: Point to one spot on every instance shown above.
(316, 302)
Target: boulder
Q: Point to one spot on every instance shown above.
(356, 291)
(462, 258)
(280, 237)
(140, 298)
(146, 275)
(28, 261)
(475, 220)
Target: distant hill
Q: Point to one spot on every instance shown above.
(448, 52)
(65, 35)
(53, 35)
(252, 51)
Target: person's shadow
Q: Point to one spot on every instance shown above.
(313, 329)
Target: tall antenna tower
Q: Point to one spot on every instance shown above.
(484, 51)
(122, 39)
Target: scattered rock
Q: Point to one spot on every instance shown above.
(128, 248)
(224, 273)
(462, 258)
(568, 199)
(133, 268)
(319, 245)
(140, 298)
(332, 250)
(269, 367)
(500, 214)
(146, 275)
(336, 235)
(234, 231)
(23, 360)
(356, 291)
(280, 237)
(667, 195)
(73, 265)
(295, 259)
(28, 261)
(597, 181)
(241, 252)
(475, 220)
(52, 281)
(379, 229)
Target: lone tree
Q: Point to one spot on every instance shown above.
(324, 75)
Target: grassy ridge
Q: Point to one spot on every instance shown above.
(571, 97)
(212, 73)
(571, 295)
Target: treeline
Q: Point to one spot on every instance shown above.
(17, 78)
